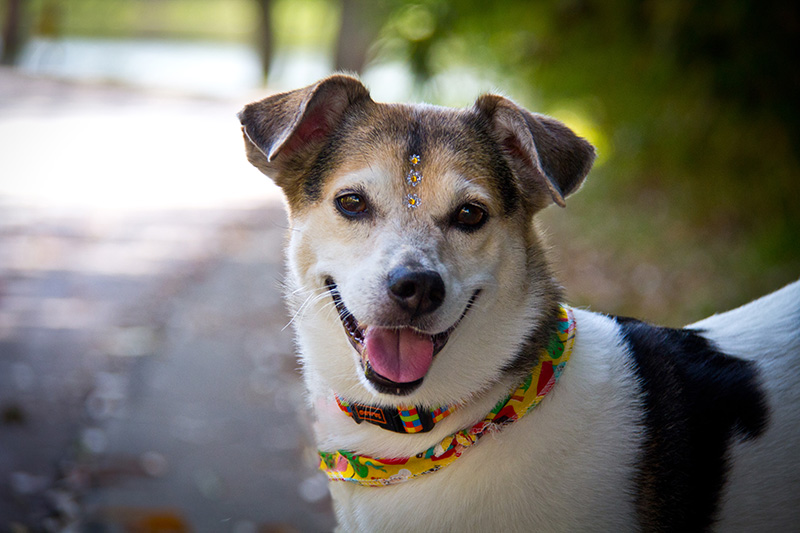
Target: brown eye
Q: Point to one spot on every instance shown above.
(470, 217)
(351, 204)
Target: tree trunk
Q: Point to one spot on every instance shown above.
(265, 36)
(361, 22)
(12, 33)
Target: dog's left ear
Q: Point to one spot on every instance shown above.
(541, 150)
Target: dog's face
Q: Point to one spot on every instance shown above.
(413, 263)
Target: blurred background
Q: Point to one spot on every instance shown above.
(147, 380)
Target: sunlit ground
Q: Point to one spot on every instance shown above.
(145, 373)
(73, 149)
(164, 155)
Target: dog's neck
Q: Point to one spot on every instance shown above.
(401, 419)
(334, 430)
(368, 470)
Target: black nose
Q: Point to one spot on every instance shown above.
(416, 291)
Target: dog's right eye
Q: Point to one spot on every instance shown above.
(351, 205)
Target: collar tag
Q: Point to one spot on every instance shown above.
(403, 419)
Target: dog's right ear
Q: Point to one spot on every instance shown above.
(291, 126)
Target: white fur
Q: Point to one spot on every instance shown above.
(494, 262)
(563, 467)
(764, 482)
(569, 464)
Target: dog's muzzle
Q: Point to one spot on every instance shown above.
(396, 359)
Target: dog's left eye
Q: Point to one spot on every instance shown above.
(470, 217)
(351, 204)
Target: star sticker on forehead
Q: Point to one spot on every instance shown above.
(413, 178)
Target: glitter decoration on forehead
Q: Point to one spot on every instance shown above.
(413, 178)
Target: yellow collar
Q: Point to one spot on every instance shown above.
(369, 471)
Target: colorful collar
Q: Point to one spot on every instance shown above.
(401, 419)
(369, 471)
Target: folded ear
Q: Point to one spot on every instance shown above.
(290, 126)
(544, 154)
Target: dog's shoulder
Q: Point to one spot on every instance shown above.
(697, 400)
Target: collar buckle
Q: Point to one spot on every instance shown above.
(408, 419)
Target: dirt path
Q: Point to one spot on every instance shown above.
(145, 376)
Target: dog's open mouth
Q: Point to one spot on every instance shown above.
(395, 359)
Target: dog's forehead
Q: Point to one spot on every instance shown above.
(447, 150)
(419, 129)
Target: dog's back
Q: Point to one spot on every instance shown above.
(764, 473)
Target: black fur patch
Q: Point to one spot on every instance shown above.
(696, 400)
(536, 341)
(416, 138)
(320, 169)
(499, 169)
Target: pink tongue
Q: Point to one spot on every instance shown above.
(401, 355)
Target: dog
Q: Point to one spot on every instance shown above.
(452, 389)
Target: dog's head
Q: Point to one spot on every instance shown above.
(414, 268)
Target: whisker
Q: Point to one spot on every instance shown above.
(313, 297)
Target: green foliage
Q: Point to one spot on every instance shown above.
(191, 19)
(694, 108)
(305, 23)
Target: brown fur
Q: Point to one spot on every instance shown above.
(304, 138)
(299, 138)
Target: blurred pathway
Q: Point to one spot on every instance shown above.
(146, 383)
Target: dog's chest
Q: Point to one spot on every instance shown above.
(562, 465)
(493, 489)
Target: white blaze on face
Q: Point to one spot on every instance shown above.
(358, 254)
